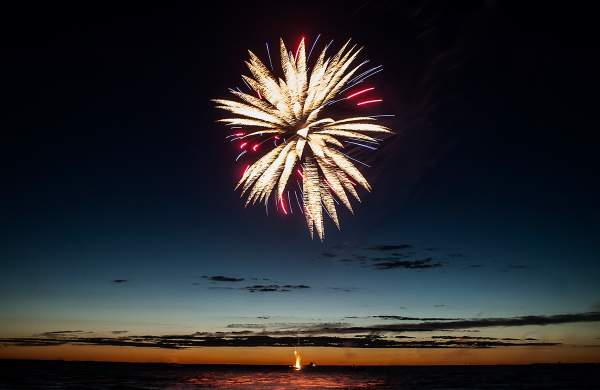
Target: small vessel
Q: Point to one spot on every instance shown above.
(298, 358)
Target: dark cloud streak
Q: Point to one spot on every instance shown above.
(196, 340)
(337, 334)
(407, 264)
(221, 278)
(386, 248)
(274, 287)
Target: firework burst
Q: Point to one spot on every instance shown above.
(295, 113)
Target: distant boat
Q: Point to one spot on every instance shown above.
(298, 359)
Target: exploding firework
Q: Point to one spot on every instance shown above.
(297, 114)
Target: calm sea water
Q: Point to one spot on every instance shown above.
(88, 375)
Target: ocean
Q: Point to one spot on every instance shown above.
(23, 374)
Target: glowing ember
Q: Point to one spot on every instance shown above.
(369, 102)
(298, 49)
(360, 92)
(246, 169)
(283, 205)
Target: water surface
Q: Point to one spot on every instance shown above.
(90, 375)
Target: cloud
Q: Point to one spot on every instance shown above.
(63, 333)
(264, 288)
(119, 331)
(389, 247)
(403, 318)
(255, 288)
(325, 334)
(408, 264)
(336, 334)
(274, 287)
(344, 289)
(476, 323)
(470, 338)
(215, 340)
(32, 342)
(301, 326)
(389, 257)
(221, 278)
(407, 256)
(444, 324)
(120, 281)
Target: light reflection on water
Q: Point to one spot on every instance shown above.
(283, 380)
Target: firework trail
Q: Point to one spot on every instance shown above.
(295, 112)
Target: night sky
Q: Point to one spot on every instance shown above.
(119, 217)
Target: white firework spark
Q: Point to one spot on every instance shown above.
(293, 108)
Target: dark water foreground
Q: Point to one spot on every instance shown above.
(90, 375)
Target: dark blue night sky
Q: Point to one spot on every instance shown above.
(118, 208)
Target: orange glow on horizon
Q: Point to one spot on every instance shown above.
(320, 355)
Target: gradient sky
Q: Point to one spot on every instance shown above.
(118, 209)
